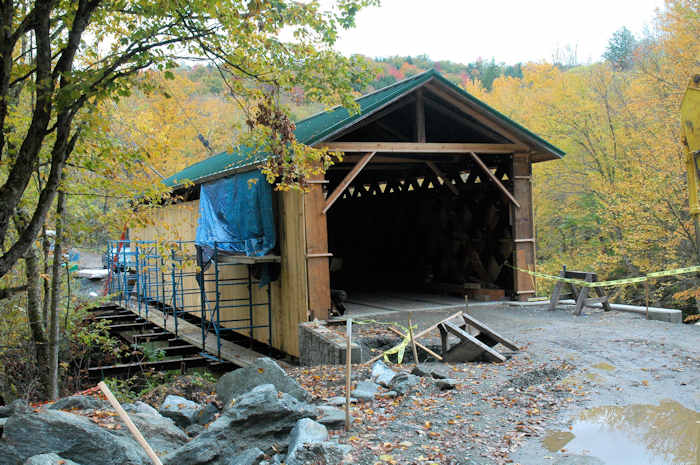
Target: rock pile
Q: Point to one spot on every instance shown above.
(266, 419)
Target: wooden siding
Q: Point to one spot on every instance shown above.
(289, 293)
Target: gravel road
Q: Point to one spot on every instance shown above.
(577, 380)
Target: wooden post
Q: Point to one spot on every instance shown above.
(413, 341)
(523, 228)
(348, 366)
(646, 289)
(129, 424)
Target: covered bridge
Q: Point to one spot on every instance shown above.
(433, 195)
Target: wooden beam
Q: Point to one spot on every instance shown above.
(420, 116)
(379, 159)
(471, 321)
(418, 147)
(440, 174)
(347, 180)
(490, 353)
(494, 179)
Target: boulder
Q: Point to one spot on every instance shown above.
(365, 391)
(194, 430)
(71, 436)
(140, 407)
(49, 459)
(339, 400)
(16, 406)
(382, 374)
(263, 371)
(260, 418)
(161, 433)
(207, 414)
(403, 382)
(306, 431)
(251, 456)
(331, 417)
(182, 411)
(326, 453)
(9, 455)
(80, 403)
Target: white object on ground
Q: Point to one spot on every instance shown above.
(94, 273)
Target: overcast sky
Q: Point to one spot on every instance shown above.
(511, 31)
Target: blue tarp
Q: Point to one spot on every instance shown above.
(236, 213)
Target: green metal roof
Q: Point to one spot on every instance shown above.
(322, 126)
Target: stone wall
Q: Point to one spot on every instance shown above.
(319, 345)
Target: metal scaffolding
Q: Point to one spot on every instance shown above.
(168, 276)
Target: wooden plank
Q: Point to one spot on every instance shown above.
(158, 365)
(402, 336)
(347, 180)
(582, 296)
(556, 293)
(154, 336)
(495, 180)
(581, 275)
(471, 321)
(469, 339)
(129, 326)
(418, 147)
(440, 174)
(318, 269)
(293, 307)
(443, 339)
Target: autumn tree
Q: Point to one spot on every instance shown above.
(61, 62)
(83, 52)
(617, 202)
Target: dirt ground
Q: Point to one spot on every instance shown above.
(577, 383)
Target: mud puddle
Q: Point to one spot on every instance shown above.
(664, 434)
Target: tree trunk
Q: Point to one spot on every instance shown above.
(36, 325)
(45, 249)
(55, 293)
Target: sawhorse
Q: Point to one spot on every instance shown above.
(580, 294)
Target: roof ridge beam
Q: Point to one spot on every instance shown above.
(419, 147)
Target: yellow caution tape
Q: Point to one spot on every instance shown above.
(398, 349)
(616, 282)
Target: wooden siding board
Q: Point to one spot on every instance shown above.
(318, 269)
